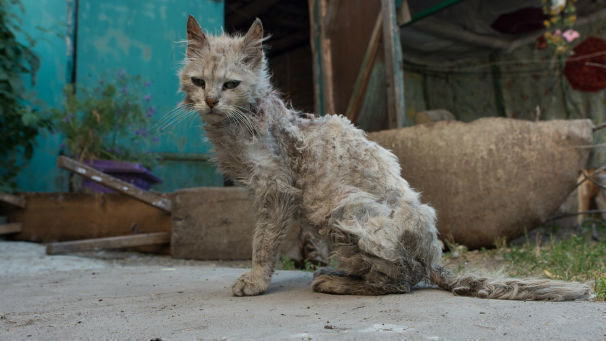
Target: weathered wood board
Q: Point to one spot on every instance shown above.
(212, 223)
(118, 242)
(217, 223)
(14, 200)
(150, 198)
(50, 217)
(10, 228)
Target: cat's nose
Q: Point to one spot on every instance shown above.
(211, 102)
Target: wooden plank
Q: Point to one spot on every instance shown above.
(322, 57)
(314, 40)
(10, 228)
(394, 71)
(217, 223)
(212, 223)
(12, 199)
(404, 15)
(331, 14)
(109, 243)
(349, 35)
(51, 217)
(357, 98)
(327, 69)
(81, 169)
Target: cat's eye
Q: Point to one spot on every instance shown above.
(230, 84)
(198, 82)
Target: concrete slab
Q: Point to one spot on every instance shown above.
(128, 296)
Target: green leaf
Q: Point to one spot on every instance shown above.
(30, 119)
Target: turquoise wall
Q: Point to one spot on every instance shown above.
(139, 37)
(52, 48)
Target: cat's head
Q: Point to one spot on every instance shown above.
(223, 74)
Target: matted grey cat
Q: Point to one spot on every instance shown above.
(323, 172)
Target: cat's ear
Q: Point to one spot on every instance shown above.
(195, 37)
(252, 44)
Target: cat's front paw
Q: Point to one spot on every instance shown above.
(246, 285)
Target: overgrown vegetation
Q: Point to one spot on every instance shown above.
(20, 120)
(108, 121)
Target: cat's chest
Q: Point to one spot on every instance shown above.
(263, 156)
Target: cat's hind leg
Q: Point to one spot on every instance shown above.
(339, 283)
(344, 285)
(378, 250)
(359, 273)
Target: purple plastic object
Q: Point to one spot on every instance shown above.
(130, 172)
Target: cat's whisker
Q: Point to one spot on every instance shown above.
(248, 122)
(242, 118)
(234, 118)
(237, 117)
(241, 111)
(174, 117)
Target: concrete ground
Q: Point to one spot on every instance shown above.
(129, 296)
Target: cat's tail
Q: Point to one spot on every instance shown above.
(509, 288)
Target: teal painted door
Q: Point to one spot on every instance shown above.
(142, 38)
(138, 37)
(53, 48)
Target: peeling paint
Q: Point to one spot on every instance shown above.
(113, 38)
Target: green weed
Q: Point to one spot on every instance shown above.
(577, 258)
(287, 264)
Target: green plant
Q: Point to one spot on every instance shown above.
(108, 121)
(20, 120)
(287, 263)
(309, 266)
(600, 288)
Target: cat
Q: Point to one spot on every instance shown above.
(322, 171)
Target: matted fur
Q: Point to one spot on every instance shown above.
(324, 172)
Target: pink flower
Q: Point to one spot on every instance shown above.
(557, 32)
(570, 35)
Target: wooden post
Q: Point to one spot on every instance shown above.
(331, 15)
(404, 16)
(10, 228)
(394, 72)
(119, 242)
(314, 41)
(326, 53)
(12, 199)
(357, 97)
(81, 169)
(322, 55)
